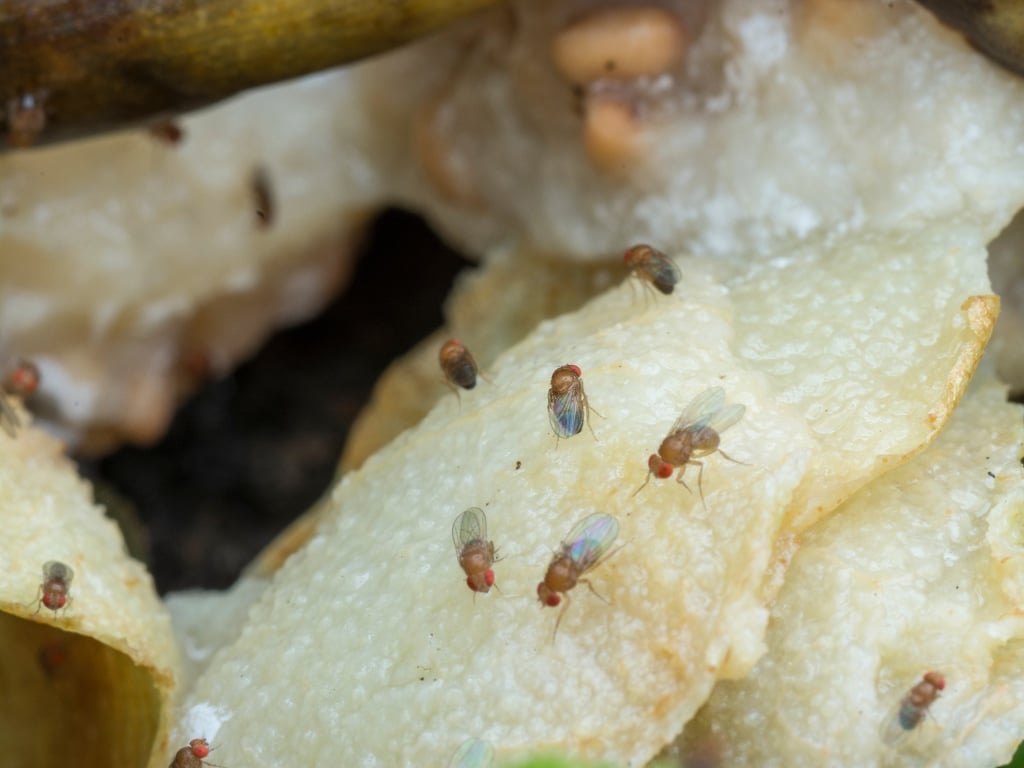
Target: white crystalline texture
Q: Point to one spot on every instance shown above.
(920, 571)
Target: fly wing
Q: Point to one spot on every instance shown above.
(590, 538)
(726, 417)
(473, 753)
(9, 420)
(471, 525)
(565, 412)
(665, 270)
(700, 411)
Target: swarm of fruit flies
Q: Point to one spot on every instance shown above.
(473, 549)
(473, 753)
(53, 592)
(912, 708)
(694, 435)
(583, 549)
(653, 267)
(457, 365)
(192, 756)
(568, 406)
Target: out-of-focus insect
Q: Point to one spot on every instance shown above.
(192, 756)
(912, 708)
(167, 131)
(568, 406)
(263, 194)
(653, 267)
(473, 753)
(694, 435)
(458, 365)
(473, 549)
(53, 592)
(582, 550)
(26, 119)
(52, 657)
(23, 379)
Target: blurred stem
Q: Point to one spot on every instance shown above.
(94, 65)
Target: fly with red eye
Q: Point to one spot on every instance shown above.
(653, 267)
(474, 550)
(695, 434)
(582, 550)
(56, 586)
(908, 713)
(568, 407)
(193, 755)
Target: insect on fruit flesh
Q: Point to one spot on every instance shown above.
(192, 755)
(653, 267)
(53, 592)
(582, 550)
(695, 434)
(167, 131)
(263, 196)
(568, 406)
(473, 753)
(26, 119)
(458, 365)
(912, 708)
(474, 551)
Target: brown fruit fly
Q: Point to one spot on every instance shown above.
(192, 756)
(26, 119)
(167, 131)
(912, 708)
(694, 435)
(263, 196)
(458, 365)
(23, 379)
(568, 406)
(584, 547)
(653, 267)
(474, 551)
(473, 753)
(53, 592)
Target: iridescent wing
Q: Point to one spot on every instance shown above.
(471, 525)
(590, 538)
(708, 409)
(473, 753)
(565, 412)
(9, 420)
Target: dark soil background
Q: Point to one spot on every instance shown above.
(251, 452)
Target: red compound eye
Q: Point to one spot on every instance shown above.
(53, 602)
(664, 471)
(575, 369)
(553, 600)
(200, 748)
(489, 577)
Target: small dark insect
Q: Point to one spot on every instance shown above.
(263, 193)
(458, 365)
(568, 406)
(912, 708)
(52, 657)
(473, 753)
(53, 592)
(694, 435)
(519, 465)
(23, 379)
(168, 131)
(581, 550)
(473, 549)
(192, 755)
(653, 267)
(26, 119)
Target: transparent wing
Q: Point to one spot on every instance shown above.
(54, 569)
(590, 538)
(895, 730)
(663, 269)
(566, 412)
(471, 525)
(9, 420)
(708, 410)
(474, 753)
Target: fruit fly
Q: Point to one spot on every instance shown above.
(568, 406)
(167, 131)
(473, 753)
(53, 592)
(912, 708)
(192, 755)
(52, 658)
(694, 435)
(26, 119)
(23, 379)
(458, 365)
(474, 551)
(584, 547)
(653, 267)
